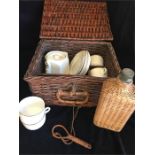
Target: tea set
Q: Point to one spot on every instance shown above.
(57, 62)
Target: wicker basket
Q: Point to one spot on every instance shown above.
(116, 105)
(72, 26)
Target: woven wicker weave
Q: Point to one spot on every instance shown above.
(115, 106)
(71, 26)
(70, 19)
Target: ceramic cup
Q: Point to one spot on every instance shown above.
(32, 112)
(57, 62)
(96, 61)
(98, 72)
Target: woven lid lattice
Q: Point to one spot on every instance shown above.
(71, 19)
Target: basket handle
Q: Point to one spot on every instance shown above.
(72, 97)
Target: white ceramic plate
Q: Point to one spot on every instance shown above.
(78, 63)
(35, 126)
(86, 65)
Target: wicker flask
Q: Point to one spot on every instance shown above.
(116, 102)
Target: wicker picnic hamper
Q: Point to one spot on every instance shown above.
(71, 25)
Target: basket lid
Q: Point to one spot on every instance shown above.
(75, 19)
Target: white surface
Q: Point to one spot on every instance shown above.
(57, 62)
(96, 61)
(32, 110)
(86, 64)
(99, 72)
(37, 125)
(31, 105)
(144, 77)
(78, 62)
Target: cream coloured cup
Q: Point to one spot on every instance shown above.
(32, 110)
(96, 61)
(57, 62)
(98, 72)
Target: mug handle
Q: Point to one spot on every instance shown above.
(47, 110)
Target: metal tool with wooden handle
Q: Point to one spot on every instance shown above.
(68, 138)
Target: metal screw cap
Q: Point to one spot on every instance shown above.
(126, 75)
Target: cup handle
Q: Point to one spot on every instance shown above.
(47, 110)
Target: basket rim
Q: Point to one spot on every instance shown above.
(26, 76)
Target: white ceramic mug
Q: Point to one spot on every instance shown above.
(99, 72)
(32, 111)
(57, 62)
(96, 61)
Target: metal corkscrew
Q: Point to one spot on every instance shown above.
(68, 138)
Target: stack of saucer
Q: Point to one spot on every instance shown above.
(80, 63)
